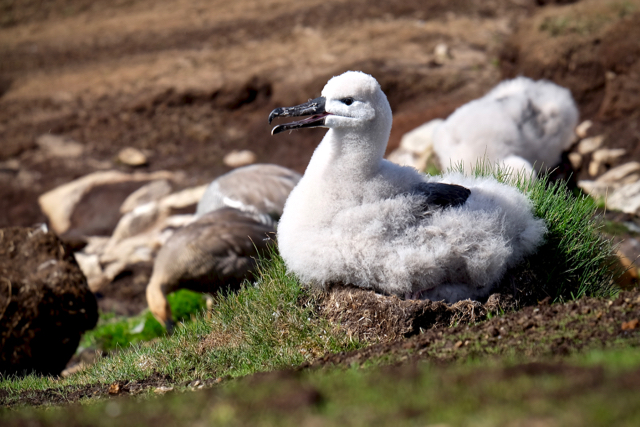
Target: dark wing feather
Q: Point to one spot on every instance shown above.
(437, 194)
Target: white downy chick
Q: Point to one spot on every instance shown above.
(521, 123)
(355, 218)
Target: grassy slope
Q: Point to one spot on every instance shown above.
(272, 325)
(597, 388)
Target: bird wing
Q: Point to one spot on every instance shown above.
(439, 195)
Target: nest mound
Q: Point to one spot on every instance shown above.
(372, 317)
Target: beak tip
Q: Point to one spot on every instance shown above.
(275, 113)
(276, 130)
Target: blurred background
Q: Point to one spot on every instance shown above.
(178, 91)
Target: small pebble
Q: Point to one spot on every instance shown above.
(239, 158)
(132, 157)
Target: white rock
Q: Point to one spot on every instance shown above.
(608, 155)
(132, 157)
(576, 160)
(595, 168)
(589, 145)
(137, 221)
(583, 128)
(630, 179)
(151, 192)
(594, 188)
(404, 157)
(183, 199)
(416, 146)
(59, 146)
(420, 139)
(95, 245)
(626, 199)
(60, 203)
(237, 158)
(441, 53)
(619, 173)
(90, 266)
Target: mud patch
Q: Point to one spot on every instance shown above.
(71, 394)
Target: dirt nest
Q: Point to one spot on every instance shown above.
(372, 317)
(545, 330)
(45, 302)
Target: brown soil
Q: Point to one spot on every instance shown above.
(45, 302)
(371, 317)
(533, 332)
(591, 48)
(187, 81)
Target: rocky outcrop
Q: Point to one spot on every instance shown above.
(45, 303)
(149, 220)
(90, 205)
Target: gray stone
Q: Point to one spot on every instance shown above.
(619, 173)
(626, 199)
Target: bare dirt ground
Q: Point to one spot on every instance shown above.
(187, 81)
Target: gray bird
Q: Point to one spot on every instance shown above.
(216, 252)
(260, 189)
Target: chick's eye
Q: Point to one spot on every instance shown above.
(347, 101)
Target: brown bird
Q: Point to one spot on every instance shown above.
(216, 252)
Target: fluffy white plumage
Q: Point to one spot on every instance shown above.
(520, 123)
(354, 218)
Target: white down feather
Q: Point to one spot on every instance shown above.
(520, 123)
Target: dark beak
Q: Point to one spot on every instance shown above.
(313, 108)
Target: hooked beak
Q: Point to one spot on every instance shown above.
(315, 108)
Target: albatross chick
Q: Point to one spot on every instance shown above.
(520, 123)
(355, 218)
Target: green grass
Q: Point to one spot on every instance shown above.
(113, 332)
(586, 389)
(265, 326)
(575, 260)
